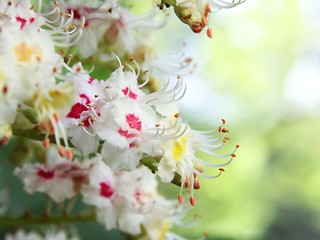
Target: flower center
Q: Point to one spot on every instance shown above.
(25, 53)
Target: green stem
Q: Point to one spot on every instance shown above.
(27, 220)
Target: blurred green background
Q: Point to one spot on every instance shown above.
(261, 72)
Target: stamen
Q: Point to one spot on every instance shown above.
(46, 143)
(61, 151)
(193, 201)
(180, 198)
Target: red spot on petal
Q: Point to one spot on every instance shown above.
(106, 190)
(85, 97)
(90, 80)
(22, 22)
(131, 95)
(45, 173)
(31, 20)
(126, 134)
(76, 110)
(133, 122)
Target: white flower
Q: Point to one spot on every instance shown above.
(97, 17)
(85, 110)
(55, 178)
(129, 31)
(101, 192)
(179, 156)
(101, 188)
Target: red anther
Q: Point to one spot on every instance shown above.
(4, 141)
(69, 154)
(180, 198)
(221, 170)
(56, 117)
(4, 89)
(237, 146)
(195, 175)
(61, 151)
(233, 155)
(196, 27)
(223, 121)
(224, 130)
(196, 185)
(187, 183)
(193, 201)
(46, 143)
(188, 59)
(209, 32)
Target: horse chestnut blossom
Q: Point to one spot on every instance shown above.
(110, 134)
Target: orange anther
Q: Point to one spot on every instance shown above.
(237, 146)
(204, 21)
(223, 121)
(61, 151)
(193, 201)
(221, 170)
(46, 143)
(78, 69)
(158, 125)
(180, 198)
(56, 117)
(233, 155)
(195, 175)
(177, 115)
(209, 32)
(69, 154)
(187, 183)
(196, 185)
(54, 70)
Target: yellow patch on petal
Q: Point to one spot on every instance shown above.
(26, 53)
(179, 148)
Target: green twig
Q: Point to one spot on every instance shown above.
(30, 220)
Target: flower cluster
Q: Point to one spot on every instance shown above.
(109, 139)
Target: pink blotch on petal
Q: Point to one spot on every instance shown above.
(133, 122)
(76, 110)
(46, 174)
(106, 190)
(22, 22)
(132, 95)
